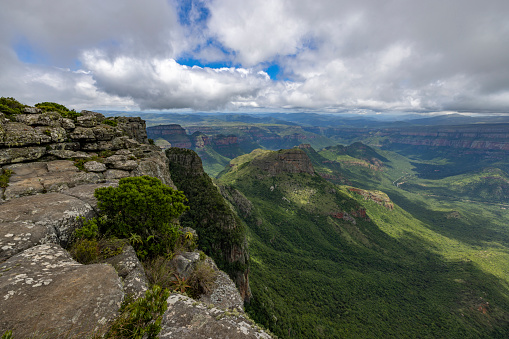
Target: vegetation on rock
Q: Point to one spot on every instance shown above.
(142, 317)
(222, 235)
(54, 107)
(10, 107)
(365, 267)
(144, 210)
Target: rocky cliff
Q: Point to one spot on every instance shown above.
(224, 237)
(51, 166)
(284, 161)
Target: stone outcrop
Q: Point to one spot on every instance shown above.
(131, 271)
(284, 161)
(56, 164)
(377, 196)
(39, 219)
(107, 149)
(44, 292)
(172, 133)
(188, 319)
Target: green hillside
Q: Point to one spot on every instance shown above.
(333, 261)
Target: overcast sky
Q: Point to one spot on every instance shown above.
(226, 55)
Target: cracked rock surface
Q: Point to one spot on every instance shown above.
(189, 319)
(43, 290)
(38, 219)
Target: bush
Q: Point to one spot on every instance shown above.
(202, 279)
(143, 210)
(10, 107)
(54, 107)
(159, 271)
(5, 175)
(142, 318)
(85, 251)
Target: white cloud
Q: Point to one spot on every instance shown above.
(333, 54)
(163, 83)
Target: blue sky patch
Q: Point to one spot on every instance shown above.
(26, 52)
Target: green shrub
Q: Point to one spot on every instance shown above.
(85, 251)
(110, 122)
(5, 175)
(89, 230)
(202, 279)
(54, 107)
(159, 271)
(7, 335)
(142, 318)
(10, 107)
(143, 207)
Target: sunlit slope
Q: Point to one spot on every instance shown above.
(326, 262)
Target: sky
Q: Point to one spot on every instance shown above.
(329, 56)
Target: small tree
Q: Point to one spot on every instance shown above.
(142, 209)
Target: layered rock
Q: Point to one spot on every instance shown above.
(284, 161)
(173, 133)
(56, 165)
(107, 149)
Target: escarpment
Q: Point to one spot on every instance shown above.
(52, 166)
(222, 233)
(284, 161)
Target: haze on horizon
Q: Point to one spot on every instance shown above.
(227, 55)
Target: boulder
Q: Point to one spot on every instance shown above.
(41, 177)
(121, 162)
(31, 110)
(94, 166)
(131, 271)
(17, 134)
(157, 165)
(106, 133)
(53, 134)
(85, 192)
(89, 119)
(223, 294)
(83, 134)
(116, 174)
(53, 217)
(184, 263)
(46, 294)
(187, 319)
(15, 155)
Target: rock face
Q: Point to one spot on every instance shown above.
(44, 291)
(188, 319)
(38, 219)
(284, 161)
(107, 149)
(377, 196)
(211, 215)
(172, 133)
(131, 271)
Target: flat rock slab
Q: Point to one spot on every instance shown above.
(37, 219)
(86, 192)
(40, 177)
(187, 319)
(44, 291)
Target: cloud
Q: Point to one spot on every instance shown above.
(159, 83)
(332, 55)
